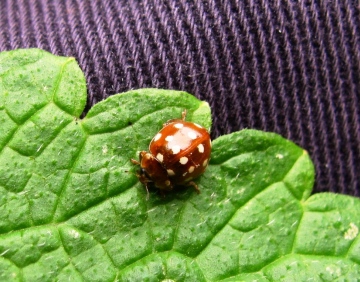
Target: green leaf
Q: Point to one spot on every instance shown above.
(71, 207)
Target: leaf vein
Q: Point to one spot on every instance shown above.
(67, 178)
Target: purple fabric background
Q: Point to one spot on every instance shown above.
(292, 67)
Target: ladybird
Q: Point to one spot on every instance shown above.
(178, 154)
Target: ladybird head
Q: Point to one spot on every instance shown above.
(151, 171)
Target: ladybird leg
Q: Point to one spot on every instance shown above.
(193, 184)
(183, 115)
(145, 181)
(147, 191)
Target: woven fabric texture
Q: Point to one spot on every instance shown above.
(291, 67)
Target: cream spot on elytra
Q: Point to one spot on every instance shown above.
(157, 137)
(184, 160)
(160, 157)
(167, 183)
(170, 172)
(175, 149)
(201, 148)
(192, 135)
(191, 169)
(178, 125)
(169, 138)
(205, 162)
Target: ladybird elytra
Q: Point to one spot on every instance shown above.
(177, 155)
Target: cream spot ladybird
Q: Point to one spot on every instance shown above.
(179, 148)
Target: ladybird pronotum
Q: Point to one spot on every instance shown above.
(178, 154)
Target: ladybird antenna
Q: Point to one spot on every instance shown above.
(132, 173)
(135, 162)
